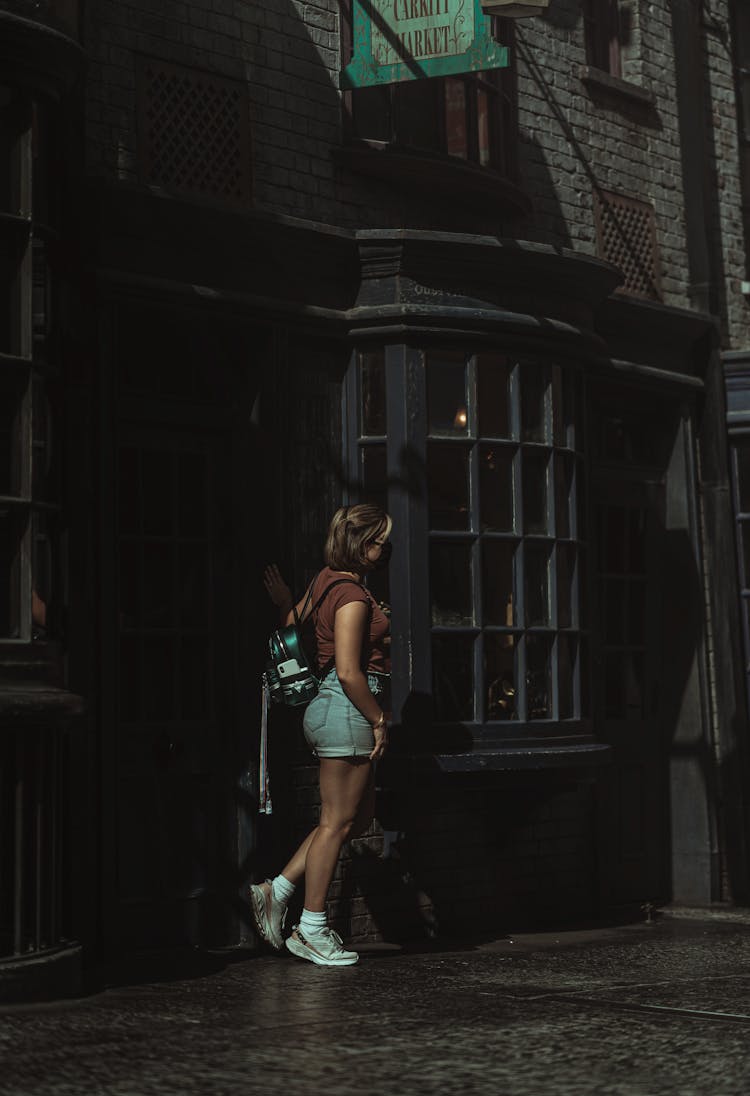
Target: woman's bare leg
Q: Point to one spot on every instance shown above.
(295, 869)
(344, 785)
(366, 809)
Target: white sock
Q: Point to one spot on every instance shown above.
(282, 890)
(311, 923)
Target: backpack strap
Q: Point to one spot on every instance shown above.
(298, 619)
(326, 669)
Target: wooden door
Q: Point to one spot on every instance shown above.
(629, 529)
(174, 717)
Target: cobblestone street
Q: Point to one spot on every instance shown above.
(643, 1009)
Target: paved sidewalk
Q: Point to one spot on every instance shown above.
(635, 1011)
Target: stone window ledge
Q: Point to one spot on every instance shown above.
(598, 80)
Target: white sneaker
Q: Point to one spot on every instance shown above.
(268, 914)
(326, 948)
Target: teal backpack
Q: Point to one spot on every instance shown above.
(289, 674)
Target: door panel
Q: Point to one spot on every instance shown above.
(628, 510)
(174, 709)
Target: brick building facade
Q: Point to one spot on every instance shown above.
(506, 305)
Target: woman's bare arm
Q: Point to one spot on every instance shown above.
(281, 595)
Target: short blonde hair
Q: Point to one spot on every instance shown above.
(351, 533)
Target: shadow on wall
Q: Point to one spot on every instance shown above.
(560, 164)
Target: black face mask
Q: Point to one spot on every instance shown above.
(385, 557)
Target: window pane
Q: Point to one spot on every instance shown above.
(14, 123)
(565, 670)
(536, 584)
(573, 410)
(745, 538)
(493, 398)
(743, 477)
(374, 478)
(455, 118)
(371, 112)
(558, 417)
(498, 606)
(538, 677)
(535, 403)
(10, 543)
(446, 396)
(453, 677)
(584, 672)
(10, 444)
(42, 575)
(496, 488)
(500, 671)
(535, 480)
(10, 312)
(417, 115)
(566, 559)
(564, 466)
(372, 382)
(450, 583)
(448, 486)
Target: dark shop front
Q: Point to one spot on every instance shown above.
(190, 389)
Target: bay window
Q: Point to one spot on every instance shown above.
(495, 467)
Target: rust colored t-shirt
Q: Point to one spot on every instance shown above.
(374, 654)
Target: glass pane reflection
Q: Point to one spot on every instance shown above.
(374, 477)
(447, 404)
(536, 585)
(535, 490)
(497, 582)
(496, 488)
(453, 676)
(448, 486)
(564, 466)
(372, 382)
(566, 561)
(565, 672)
(450, 584)
(500, 671)
(538, 677)
(493, 379)
(534, 403)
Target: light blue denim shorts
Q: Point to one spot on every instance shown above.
(333, 726)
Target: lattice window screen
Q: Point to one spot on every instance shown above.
(626, 236)
(193, 131)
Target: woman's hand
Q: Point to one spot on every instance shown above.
(277, 589)
(380, 730)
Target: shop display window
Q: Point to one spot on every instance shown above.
(503, 489)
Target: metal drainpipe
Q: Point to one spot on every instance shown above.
(690, 87)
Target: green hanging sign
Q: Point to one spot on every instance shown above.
(396, 40)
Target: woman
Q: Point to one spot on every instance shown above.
(344, 725)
